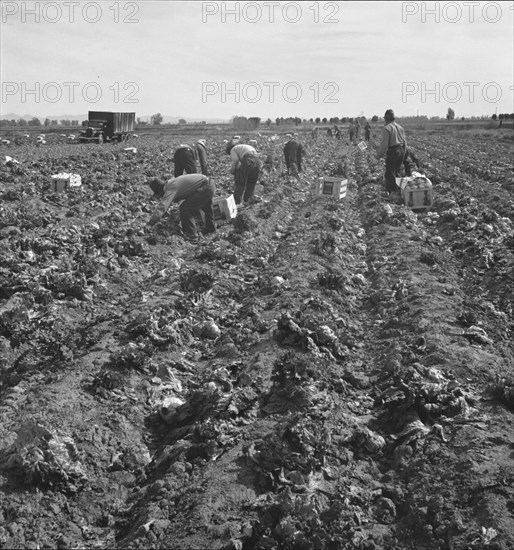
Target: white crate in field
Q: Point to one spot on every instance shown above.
(335, 187)
(225, 208)
(130, 150)
(64, 180)
(362, 145)
(416, 191)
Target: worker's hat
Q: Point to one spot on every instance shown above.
(389, 114)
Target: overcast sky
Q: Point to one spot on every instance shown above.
(267, 59)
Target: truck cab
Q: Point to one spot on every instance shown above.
(107, 126)
(94, 131)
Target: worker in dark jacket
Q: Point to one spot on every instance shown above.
(246, 168)
(185, 160)
(411, 162)
(293, 154)
(195, 193)
(393, 146)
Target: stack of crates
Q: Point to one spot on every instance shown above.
(335, 187)
(225, 208)
(63, 181)
(416, 191)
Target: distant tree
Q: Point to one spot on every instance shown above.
(73, 122)
(311, 120)
(501, 116)
(268, 122)
(450, 115)
(374, 118)
(156, 120)
(22, 122)
(324, 120)
(318, 120)
(495, 116)
(65, 122)
(254, 122)
(277, 121)
(47, 122)
(344, 120)
(55, 122)
(34, 121)
(182, 121)
(463, 118)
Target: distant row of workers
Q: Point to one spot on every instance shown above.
(354, 129)
(195, 191)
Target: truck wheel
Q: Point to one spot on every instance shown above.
(100, 139)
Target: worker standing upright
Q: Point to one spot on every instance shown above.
(393, 146)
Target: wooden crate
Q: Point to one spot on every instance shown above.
(416, 191)
(63, 181)
(335, 187)
(225, 208)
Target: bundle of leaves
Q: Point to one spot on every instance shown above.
(130, 356)
(325, 244)
(244, 222)
(331, 280)
(130, 247)
(194, 280)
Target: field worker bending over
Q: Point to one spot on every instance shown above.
(246, 168)
(195, 193)
(185, 160)
(393, 146)
(293, 153)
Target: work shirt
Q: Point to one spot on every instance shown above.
(392, 134)
(201, 155)
(178, 189)
(238, 152)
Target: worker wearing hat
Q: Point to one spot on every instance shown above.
(195, 193)
(393, 146)
(293, 153)
(186, 159)
(246, 168)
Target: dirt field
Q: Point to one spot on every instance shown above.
(319, 374)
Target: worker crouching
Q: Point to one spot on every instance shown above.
(194, 192)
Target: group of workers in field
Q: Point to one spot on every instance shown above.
(195, 190)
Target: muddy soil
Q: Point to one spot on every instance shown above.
(320, 373)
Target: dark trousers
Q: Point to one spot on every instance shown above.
(245, 177)
(293, 158)
(367, 135)
(394, 161)
(190, 208)
(184, 159)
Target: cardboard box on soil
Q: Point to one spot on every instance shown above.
(416, 191)
(335, 187)
(63, 181)
(225, 208)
